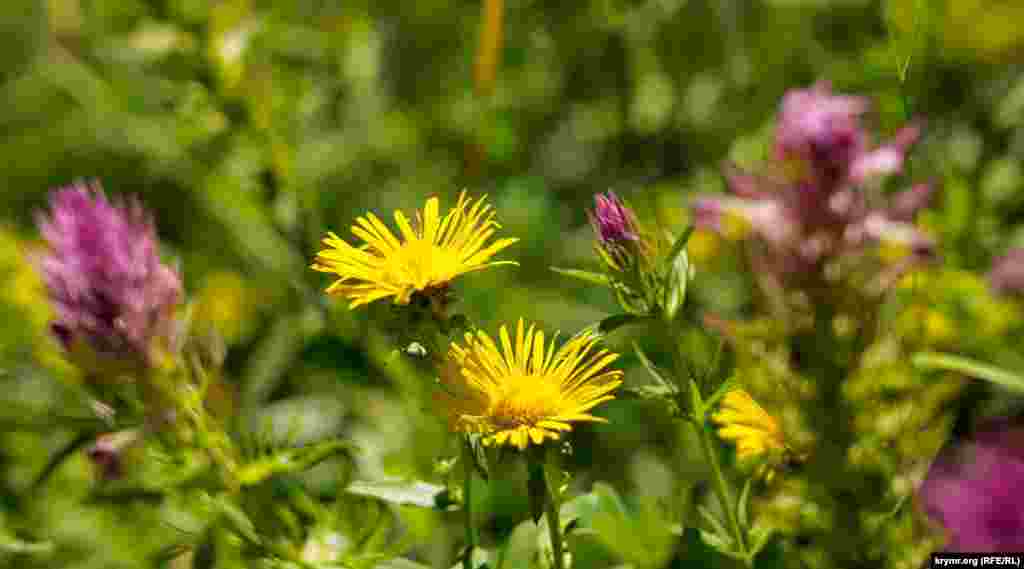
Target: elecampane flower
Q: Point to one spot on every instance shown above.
(754, 432)
(426, 257)
(526, 391)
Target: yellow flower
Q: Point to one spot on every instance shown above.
(745, 423)
(428, 257)
(526, 392)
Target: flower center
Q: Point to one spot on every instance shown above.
(524, 400)
(420, 262)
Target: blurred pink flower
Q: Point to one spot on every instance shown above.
(973, 491)
(1007, 273)
(819, 210)
(104, 275)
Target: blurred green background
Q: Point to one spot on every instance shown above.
(250, 128)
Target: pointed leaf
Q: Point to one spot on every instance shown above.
(586, 276)
(675, 284)
(759, 537)
(966, 366)
(742, 511)
(399, 492)
(716, 525)
(647, 392)
(680, 243)
(716, 542)
(400, 563)
(60, 456)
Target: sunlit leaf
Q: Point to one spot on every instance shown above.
(586, 276)
(399, 492)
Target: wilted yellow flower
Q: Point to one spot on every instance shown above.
(745, 423)
(428, 256)
(526, 392)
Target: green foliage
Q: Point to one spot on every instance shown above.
(305, 436)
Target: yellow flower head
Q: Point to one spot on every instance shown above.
(428, 256)
(745, 423)
(526, 391)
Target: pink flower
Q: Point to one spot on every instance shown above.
(104, 275)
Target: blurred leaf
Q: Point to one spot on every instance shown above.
(742, 508)
(23, 34)
(414, 493)
(586, 276)
(58, 458)
(400, 563)
(274, 354)
(759, 537)
(612, 323)
(969, 367)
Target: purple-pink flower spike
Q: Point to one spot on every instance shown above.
(973, 491)
(612, 220)
(814, 207)
(103, 274)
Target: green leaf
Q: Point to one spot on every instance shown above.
(586, 276)
(399, 492)
(759, 537)
(681, 241)
(60, 456)
(291, 460)
(717, 527)
(647, 392)
(237, 519)
(400, 563)
(742, 510)
(676, 283)
(612, 323)
(966, 366)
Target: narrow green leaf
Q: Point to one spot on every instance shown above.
(400, 563)
(966, 366)
(60, 456)
(742, 511)
(586, 276)
(717, 543)
(676, 281)
(759, 537)
(646, 392)
(399, 492)
(680, 242)
(716, 525)
(697, 404)
(238, 519)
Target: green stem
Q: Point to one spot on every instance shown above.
(554, 525)
(720, 485)
(467, 501)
